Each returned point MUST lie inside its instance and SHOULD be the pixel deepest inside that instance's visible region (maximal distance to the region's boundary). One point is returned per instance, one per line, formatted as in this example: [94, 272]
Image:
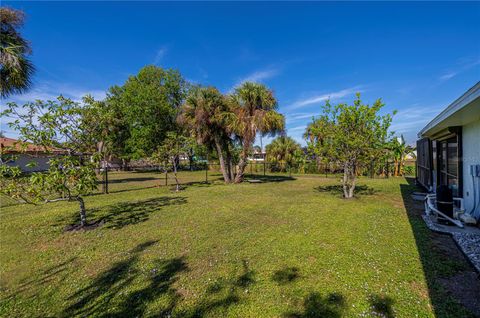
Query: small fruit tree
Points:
[56, 128]
[349, 135]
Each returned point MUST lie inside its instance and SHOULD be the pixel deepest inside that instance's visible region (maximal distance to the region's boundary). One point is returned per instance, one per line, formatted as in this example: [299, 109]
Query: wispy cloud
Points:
[324, 97]
[292, 117]
[463, 66]
[51, 90]
[161, 52]
[258, 76]
[297, 128]
[409, 121]
[448, 76]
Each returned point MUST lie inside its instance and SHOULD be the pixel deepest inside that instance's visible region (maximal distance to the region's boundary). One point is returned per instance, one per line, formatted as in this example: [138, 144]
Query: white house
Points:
[449, 150]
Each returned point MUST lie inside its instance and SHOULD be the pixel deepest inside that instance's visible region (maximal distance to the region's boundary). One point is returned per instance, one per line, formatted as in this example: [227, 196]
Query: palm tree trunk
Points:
[229, 163]
[242, 164]
[241, 170]
[226, 176]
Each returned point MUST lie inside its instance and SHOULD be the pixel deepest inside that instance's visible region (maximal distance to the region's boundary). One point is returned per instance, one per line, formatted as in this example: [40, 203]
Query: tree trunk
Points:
[401, 164]
[241, 167]
[348, 181]
[397, 168]
[229, 163]
[105, 179]
[177, 186]
[352, 187]
[345, 181]
[226, 177]
[83, 214]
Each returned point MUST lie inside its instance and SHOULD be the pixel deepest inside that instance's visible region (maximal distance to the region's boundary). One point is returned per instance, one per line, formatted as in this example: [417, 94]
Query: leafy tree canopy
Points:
[149, 103]
[350, 135]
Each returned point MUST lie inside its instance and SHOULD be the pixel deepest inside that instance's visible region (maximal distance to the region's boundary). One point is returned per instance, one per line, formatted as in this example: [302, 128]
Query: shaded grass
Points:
[274, 249]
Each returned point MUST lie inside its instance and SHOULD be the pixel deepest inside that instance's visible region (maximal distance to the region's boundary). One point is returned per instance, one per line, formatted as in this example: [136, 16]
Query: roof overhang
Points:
[464, 110]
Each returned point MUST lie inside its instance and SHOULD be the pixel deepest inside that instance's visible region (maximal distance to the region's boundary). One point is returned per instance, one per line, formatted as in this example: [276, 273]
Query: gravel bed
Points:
[469, 243]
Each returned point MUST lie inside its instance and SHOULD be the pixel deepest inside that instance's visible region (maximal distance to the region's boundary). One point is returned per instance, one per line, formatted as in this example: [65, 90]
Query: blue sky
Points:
[418, 57]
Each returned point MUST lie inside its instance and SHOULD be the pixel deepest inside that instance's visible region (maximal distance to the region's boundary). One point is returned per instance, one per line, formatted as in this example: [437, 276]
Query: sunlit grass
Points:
[288, 248]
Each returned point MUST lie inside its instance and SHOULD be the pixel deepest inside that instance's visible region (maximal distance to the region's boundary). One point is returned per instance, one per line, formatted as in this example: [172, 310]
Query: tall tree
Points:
[350, 135]
[204, 114]
[16, 68]
[150, 102]
[254, 111]
[283, 150]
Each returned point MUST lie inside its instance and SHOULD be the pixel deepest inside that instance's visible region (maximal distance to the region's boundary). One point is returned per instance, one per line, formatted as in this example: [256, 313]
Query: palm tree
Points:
[16, 69]
[282, 150]
[254, 110]
[203, 114]
[400, 150]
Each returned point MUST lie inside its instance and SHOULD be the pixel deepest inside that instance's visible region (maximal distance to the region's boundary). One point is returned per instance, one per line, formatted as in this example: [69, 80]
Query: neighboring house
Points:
[16, 153]
[449, 150]
[257, 156]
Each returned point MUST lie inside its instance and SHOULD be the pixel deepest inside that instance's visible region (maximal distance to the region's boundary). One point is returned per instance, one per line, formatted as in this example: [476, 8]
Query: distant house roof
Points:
[10, 145]
[462, 111]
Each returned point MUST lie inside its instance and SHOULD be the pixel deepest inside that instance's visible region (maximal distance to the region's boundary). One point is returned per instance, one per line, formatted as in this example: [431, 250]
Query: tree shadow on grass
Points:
[109, 294]
[317, 306]
[382, 306]
[222, 294]
[268, 178]
[286, 275]
[122, 214]
[55, 274]
[338, 190]
[247, 277]
[127, 213]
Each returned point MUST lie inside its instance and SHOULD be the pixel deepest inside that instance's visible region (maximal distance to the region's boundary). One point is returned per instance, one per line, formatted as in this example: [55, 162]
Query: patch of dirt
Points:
[89, 226]
[465, 288]
[445, 246]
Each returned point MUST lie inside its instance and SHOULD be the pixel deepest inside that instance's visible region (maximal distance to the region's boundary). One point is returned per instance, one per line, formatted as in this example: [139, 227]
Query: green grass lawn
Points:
[289, 248]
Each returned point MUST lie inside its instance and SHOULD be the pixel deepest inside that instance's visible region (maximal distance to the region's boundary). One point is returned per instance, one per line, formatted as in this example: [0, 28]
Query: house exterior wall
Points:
[471, 156]
[22, 160]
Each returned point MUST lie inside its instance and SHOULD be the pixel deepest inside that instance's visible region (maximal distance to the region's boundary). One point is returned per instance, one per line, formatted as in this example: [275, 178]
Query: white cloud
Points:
[161, 52]
[411, 120]
[51, 90]
[298, 116]
[257, 76]
[298, 128]
[324, 97]
[448, 76]
[464, 66]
